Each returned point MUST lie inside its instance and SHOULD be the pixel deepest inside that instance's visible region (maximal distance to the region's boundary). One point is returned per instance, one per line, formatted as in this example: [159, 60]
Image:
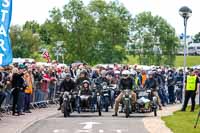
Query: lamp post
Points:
[59, 50]
[185, 12]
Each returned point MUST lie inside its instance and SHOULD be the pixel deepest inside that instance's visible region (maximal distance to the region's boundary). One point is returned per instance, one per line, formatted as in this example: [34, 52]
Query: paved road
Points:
[90, 123]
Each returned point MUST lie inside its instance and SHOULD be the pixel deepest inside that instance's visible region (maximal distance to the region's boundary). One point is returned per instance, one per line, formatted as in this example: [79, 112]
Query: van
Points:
[198, 50]
[191, 50]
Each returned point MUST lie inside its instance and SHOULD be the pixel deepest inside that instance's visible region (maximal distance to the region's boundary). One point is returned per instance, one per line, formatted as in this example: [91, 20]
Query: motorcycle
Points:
[73, 101]
[66, 107]
[106, 96]
[126, 101]
[146, 102]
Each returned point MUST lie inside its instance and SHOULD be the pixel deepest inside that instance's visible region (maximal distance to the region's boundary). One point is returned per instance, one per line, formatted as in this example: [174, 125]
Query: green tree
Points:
[155, 39]
[25, 44]
[113, 23]
[197, 38]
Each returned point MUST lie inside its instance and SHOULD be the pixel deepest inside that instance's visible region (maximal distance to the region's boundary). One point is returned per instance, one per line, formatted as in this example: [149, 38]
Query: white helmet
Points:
[116, 72]
[150, 73]
[125, 72]
[133, 72]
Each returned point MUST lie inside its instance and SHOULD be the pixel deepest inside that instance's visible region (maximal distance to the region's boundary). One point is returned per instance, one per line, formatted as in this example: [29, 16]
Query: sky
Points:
[24, 10]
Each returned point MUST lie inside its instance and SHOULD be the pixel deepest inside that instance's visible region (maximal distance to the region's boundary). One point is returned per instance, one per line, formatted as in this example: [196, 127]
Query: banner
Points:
[5, 43]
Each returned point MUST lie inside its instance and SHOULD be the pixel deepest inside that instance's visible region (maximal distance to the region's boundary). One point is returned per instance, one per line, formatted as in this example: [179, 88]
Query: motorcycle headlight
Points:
[104, 87]
[154, 99]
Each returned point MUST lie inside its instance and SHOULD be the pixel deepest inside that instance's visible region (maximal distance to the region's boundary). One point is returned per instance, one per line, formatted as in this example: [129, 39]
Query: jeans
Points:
[27, 102]
[2, 97]
[171, 94]
[8, 97]
[51, 93]
[38, 95]
[163, 96]
[21, 101]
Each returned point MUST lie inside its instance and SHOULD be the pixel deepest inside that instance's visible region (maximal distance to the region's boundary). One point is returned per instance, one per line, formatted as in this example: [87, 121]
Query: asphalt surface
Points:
[90, 123]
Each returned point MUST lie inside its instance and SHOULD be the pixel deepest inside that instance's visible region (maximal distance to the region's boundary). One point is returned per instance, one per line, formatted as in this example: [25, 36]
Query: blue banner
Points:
[5, 43]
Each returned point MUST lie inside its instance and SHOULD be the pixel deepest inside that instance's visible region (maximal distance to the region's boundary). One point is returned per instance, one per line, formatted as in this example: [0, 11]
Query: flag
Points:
[46, 56]
[6, 56]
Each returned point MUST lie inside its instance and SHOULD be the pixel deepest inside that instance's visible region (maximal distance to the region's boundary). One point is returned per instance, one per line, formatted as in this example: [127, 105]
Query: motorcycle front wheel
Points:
[66, 109]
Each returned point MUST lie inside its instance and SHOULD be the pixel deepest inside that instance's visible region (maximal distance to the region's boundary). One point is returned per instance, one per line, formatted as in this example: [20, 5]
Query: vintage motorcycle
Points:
[146, 101]
[73, 101]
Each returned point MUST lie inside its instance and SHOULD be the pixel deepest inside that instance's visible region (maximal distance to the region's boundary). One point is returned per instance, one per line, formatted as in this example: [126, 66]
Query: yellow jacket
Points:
[28, 79]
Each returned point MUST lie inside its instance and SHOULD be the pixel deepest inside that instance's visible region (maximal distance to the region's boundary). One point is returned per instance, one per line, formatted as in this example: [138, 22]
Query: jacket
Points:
[67, 85]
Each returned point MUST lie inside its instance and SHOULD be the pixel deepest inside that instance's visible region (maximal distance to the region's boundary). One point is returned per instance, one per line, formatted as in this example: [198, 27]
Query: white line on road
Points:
[89, 125]
[101, 131]
[59, 131]
[82, 131]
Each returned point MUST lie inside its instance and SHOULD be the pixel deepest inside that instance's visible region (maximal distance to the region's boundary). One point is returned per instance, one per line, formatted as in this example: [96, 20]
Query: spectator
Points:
[28, 91]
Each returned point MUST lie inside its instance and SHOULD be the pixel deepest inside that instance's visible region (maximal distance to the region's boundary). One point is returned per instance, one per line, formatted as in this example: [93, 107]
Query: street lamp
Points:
[185, 12]
[59, 50]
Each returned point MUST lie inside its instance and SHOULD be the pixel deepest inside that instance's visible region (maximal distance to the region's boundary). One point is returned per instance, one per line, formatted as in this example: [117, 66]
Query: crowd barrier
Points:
[39, 99]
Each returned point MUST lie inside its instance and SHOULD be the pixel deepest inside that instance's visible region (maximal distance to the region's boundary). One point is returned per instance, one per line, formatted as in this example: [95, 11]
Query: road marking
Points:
[101, 131]
[120, 130]
[82, 131]
[59, 131]
[89, 125]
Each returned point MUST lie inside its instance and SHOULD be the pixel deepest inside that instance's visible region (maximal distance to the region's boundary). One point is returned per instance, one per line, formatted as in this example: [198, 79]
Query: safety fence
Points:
[40, 98]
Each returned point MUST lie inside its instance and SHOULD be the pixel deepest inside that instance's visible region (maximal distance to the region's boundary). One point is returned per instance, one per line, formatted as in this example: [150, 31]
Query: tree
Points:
[25, 44]
[113, 23]
[197, 38]
[89, 32]
[155, 39]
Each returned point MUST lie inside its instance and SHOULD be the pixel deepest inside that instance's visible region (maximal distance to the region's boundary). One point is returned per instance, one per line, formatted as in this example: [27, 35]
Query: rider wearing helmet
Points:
[103, 77]
[151, 83]
[85, 90]
[66, 85]
[125, 83]
[82, 76]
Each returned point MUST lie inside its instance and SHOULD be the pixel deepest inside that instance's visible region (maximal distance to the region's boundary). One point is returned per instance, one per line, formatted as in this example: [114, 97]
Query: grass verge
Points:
[191, 60]
[183, 122]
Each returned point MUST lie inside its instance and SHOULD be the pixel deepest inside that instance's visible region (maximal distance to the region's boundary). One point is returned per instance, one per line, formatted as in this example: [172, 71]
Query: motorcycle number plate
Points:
[126, 98]
[105, 94]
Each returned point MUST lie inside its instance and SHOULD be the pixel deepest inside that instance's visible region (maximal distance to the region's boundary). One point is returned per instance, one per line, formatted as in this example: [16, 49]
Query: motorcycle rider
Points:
[66, 85]
[125, 83]
[152, 84]
[85, 91]
[103, 77]
[82, 76]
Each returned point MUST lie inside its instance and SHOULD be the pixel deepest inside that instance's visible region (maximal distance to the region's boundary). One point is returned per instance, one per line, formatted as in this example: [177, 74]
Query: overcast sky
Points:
[38, 10]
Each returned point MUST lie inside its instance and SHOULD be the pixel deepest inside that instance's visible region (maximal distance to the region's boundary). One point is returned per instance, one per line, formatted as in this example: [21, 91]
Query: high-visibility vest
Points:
[191, 83]
[136, 81]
